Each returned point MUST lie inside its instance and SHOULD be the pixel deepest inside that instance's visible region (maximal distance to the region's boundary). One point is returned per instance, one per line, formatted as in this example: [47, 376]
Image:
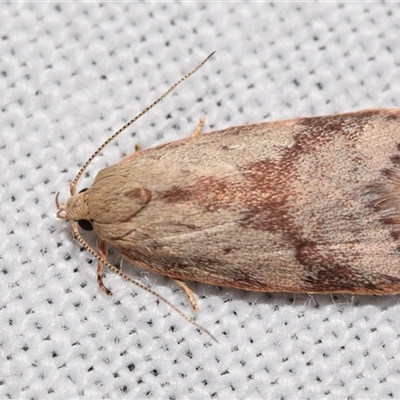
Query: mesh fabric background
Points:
[73, 73]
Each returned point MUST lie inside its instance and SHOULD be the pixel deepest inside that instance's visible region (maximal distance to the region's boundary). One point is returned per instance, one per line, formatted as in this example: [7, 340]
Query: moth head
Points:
[76, 209]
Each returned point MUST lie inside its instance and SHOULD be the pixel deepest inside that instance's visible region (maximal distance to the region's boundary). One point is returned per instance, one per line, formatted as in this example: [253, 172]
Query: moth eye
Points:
[83, 190]
[85, 224]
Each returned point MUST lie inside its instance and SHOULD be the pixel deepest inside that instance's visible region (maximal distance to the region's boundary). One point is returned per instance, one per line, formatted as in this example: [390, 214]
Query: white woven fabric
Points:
[70, 75]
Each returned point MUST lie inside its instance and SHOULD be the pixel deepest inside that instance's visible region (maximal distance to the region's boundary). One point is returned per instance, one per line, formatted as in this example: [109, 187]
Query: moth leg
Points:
[188, 293]
[102, 250]
[199, 127]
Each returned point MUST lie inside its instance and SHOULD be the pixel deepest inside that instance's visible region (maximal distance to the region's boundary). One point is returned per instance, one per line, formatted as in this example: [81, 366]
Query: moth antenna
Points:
[128, 278]
[111, 138]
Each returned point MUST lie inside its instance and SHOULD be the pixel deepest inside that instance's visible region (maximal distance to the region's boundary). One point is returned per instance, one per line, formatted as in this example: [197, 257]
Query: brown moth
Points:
[303, 205]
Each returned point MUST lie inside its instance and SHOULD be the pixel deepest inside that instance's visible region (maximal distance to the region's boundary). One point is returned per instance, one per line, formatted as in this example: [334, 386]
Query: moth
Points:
[307, 205]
